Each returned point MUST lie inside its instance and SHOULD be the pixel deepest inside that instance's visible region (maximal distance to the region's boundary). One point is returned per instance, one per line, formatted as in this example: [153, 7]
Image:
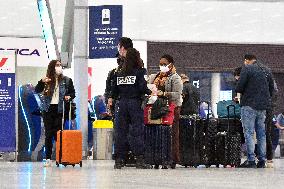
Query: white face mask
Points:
[58, 70]
[164, 69]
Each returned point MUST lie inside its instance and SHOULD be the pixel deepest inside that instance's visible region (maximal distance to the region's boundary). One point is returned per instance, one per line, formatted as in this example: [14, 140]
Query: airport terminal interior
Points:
[57, 57]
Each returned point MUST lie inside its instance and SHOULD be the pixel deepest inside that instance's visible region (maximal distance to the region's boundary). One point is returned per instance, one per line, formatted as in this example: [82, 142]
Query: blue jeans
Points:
[254, 120]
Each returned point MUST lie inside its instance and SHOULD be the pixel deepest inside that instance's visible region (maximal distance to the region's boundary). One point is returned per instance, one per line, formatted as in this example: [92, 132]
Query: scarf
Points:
[161, 78]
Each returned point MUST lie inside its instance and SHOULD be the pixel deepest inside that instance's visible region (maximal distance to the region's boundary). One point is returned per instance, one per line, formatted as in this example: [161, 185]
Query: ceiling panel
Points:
[167, 20]
[19, 18]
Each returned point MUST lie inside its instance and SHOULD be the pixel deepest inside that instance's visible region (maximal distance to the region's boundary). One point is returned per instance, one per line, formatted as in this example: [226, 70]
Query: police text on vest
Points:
[128, 80]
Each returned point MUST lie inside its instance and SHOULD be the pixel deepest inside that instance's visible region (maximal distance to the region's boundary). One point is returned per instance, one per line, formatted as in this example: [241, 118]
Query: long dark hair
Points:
[50, 73]
[132, 61]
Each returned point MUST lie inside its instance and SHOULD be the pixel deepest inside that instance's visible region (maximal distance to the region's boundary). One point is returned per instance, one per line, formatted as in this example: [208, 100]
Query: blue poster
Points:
[105, 29]
[7, 112]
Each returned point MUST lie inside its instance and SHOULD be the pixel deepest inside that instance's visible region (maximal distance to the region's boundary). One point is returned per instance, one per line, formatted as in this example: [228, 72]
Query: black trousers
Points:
[129, 128]
[114, 111]
[52, 123]
[269, 134]
[175, 136]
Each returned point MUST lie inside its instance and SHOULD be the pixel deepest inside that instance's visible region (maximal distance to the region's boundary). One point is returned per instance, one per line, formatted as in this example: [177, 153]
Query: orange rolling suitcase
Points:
[68, 146]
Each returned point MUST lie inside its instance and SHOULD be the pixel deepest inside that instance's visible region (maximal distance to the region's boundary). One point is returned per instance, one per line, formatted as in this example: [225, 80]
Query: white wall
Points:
[201, 21]
[28, 74]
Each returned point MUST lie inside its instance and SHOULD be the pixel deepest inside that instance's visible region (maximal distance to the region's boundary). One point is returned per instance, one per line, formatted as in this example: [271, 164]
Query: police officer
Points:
[124, 44]
[129, 86]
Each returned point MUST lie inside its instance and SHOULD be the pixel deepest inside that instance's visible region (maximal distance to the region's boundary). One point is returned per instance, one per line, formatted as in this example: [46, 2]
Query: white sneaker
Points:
[47, 163]
[269, 164]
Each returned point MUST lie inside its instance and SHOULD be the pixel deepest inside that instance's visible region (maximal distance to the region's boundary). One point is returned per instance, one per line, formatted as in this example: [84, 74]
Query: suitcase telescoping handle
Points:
[63, 114]
[208, 109]
[228, 109]
[69, 115]
[62, 128]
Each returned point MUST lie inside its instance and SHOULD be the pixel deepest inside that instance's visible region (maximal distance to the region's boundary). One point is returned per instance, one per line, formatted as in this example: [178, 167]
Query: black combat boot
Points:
[118, 164]
[130, 160]
[140, 163]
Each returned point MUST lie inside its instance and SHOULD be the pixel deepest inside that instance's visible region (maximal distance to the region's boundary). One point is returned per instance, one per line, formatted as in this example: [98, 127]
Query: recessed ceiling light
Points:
[168, 10]
[210, 21]
[255, 9]
[190, 2]
[160, 26]
[24, 7]
[236, 15]
[195, 25]
[207, 9]
[276, 15]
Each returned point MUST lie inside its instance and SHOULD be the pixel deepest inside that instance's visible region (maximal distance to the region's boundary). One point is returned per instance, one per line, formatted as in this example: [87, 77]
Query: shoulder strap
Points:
[156, 76]
[67, 82]
[263, 70]
[67, 79]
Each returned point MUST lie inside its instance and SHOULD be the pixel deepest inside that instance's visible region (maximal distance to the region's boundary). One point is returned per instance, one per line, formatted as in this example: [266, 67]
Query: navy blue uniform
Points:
[130, 116]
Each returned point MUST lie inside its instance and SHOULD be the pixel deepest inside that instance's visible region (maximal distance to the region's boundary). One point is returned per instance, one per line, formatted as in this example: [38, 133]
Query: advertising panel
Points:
[7, 101]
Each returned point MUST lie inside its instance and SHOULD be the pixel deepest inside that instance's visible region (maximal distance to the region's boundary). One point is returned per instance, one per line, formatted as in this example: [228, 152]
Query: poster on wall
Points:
[105, 29]
[30, 51]
[7, 101]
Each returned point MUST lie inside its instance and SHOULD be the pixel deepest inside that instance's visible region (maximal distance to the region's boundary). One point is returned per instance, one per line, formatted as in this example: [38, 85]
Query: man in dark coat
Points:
[190, 96]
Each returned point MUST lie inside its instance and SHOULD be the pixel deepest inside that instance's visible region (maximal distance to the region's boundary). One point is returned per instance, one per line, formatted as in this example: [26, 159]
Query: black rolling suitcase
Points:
[158, 139]
[209, 134]
[189, 148]
[192, 141]
[235, 125]
[228, 145]
[211, 130]
[197, 140]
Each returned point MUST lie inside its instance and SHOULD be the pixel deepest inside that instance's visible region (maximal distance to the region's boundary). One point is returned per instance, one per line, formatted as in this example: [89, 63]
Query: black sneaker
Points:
[156, 166]
[248, 164]
[140, 163]
[260, 164]
[173, 165]
[118, 164]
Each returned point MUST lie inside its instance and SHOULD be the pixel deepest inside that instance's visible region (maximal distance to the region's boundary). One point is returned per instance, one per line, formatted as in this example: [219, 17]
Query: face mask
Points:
[58, 70]
[164, 69]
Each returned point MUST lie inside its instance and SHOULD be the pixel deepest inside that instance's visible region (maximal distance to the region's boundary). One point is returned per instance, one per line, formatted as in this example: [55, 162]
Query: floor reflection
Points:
[100, 174]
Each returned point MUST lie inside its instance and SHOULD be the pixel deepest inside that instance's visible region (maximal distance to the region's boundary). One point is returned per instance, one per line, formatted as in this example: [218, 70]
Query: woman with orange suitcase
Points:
[55, 87]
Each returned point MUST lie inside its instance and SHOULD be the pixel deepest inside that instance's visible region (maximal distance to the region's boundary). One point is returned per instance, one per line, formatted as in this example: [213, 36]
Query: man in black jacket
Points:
[190, 97]
[256, 87]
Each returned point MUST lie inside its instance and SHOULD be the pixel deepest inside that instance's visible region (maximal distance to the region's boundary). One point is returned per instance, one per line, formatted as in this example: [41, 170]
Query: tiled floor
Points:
[100, 174]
